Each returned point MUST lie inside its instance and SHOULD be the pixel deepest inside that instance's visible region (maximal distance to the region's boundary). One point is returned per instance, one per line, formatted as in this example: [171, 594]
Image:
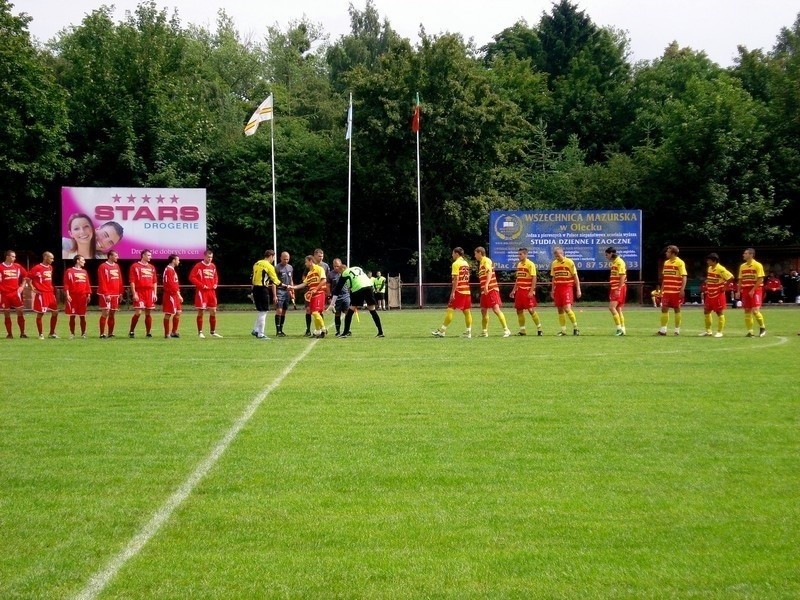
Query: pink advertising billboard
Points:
[164, 220]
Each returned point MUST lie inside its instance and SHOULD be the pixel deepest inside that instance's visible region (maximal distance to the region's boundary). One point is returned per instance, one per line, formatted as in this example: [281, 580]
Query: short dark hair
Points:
[269, 253]
[172, 257]
[611, 250]
[525, 250]
[143, 252]
[713, 256]
[459, 250]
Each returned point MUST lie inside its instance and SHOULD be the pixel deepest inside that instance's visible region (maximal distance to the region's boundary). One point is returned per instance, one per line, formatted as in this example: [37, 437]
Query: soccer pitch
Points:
[404, 467]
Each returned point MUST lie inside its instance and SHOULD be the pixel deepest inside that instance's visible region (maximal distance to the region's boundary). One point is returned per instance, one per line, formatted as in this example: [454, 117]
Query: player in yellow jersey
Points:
[460, 298]
[618, 289]
[317, 285]
[714, 300]
[565, 278]
[524, 292]
[490, 292]
[673, 289]
[751, 289]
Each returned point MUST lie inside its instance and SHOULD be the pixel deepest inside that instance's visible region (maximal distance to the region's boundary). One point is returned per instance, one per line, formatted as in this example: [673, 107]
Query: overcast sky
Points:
[715, 26]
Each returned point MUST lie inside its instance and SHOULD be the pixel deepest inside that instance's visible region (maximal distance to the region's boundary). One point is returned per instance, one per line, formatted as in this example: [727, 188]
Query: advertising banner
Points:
[163, 220]
[584, 235]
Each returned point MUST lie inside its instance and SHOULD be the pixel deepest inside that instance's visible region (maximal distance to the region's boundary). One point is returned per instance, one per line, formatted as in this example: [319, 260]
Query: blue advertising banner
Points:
[584, 234]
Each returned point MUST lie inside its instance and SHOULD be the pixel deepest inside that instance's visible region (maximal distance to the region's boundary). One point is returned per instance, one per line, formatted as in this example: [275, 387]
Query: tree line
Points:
[547, 116]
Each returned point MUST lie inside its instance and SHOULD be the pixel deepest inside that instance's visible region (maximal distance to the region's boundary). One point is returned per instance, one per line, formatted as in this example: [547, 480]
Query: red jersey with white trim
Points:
[204, 276]
[170, 279]
[143, 276]
[76, 281]
[41, 277]
[109, 280]
[486, 271]
[716, 278]
[11, 277]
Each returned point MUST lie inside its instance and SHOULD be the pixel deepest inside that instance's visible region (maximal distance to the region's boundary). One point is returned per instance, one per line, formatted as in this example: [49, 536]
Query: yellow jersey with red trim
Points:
[461, 271]
[315, 281]
[526, 271]
[716, 278]
[486, 271]
[618, 269]
[672, 274]
[749, 272]
[563, 271]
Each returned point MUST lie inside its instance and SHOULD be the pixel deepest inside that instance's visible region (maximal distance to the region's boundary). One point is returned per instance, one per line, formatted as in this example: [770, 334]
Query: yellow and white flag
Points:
[263, 113]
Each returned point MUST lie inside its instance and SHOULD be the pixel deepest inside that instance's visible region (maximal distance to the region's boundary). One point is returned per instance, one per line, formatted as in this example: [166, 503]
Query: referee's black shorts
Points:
[261, 297]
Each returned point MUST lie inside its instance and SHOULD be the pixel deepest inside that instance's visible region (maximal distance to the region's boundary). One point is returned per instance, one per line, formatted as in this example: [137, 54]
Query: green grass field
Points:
[405, 467]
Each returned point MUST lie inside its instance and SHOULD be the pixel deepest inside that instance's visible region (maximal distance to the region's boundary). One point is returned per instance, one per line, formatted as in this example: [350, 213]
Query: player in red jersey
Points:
[12, 281]
[143, 279]
[460, 297]
[44, 294]
[109, 289]
[618, 288]
[673, 289]
[172, 301]
[78, 288]
[205, 279]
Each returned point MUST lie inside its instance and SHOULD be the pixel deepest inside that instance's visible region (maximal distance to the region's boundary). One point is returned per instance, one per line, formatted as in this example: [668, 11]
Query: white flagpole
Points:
[349, 169]
[419, 216]
[272, 146]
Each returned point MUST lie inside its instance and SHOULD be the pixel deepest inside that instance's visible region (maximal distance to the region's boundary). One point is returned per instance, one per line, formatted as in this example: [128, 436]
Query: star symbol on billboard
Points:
[174, 199]
[145, 199]
[160, 199]
[116, 198]
[131, 199]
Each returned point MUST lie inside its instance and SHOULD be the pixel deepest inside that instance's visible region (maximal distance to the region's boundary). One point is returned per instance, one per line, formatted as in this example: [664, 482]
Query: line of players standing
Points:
[567, 288]
[143, 282]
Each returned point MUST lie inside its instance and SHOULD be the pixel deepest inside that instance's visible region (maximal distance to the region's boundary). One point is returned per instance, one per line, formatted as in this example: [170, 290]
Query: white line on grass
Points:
[101, 579]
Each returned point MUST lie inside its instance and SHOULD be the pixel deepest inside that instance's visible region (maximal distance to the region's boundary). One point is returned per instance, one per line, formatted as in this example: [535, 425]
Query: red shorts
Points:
[753, 301]
[44, 301]
[172, 304]
[522, 301]
[108, 302]
[619, 296]
[316, 303]
[714, 303]
[460, 302]
[673, 300]
[563, 295]
[146, 299]
[490, 299]
[12, 300]
[205, 299]
[77, 305]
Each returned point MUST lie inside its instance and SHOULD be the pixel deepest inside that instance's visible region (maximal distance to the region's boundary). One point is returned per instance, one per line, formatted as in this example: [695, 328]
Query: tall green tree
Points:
[33, 126]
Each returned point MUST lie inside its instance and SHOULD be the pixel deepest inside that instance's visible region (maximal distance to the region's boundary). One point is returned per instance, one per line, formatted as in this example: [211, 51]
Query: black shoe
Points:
[102, 336]
[148, 335]
[280, 334]
[380, 335]
[23, 336]
[110, 335]
[130, 334]
[562, 333]
[254, 333]
[346, 334]
[522, 333]
[576, 331]
[539, 332]
[174, 335]
[307, 334]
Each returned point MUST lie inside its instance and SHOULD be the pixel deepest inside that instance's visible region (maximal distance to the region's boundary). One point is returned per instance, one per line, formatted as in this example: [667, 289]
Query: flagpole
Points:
[419, 215]
[349, 169]
[274, 215]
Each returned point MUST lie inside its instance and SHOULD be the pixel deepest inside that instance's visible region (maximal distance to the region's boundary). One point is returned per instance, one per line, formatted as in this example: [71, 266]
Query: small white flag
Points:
[349, 133]
[263, 113]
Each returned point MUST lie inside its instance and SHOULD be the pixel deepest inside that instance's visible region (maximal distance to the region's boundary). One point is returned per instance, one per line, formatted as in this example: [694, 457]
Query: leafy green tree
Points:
[33, 125]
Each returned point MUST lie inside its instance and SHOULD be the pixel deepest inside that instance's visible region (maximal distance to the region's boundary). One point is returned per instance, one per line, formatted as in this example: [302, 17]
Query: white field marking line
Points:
[101, 579]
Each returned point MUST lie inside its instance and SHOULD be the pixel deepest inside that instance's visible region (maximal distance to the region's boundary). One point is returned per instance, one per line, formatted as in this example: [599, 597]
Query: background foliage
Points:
[549, 115]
